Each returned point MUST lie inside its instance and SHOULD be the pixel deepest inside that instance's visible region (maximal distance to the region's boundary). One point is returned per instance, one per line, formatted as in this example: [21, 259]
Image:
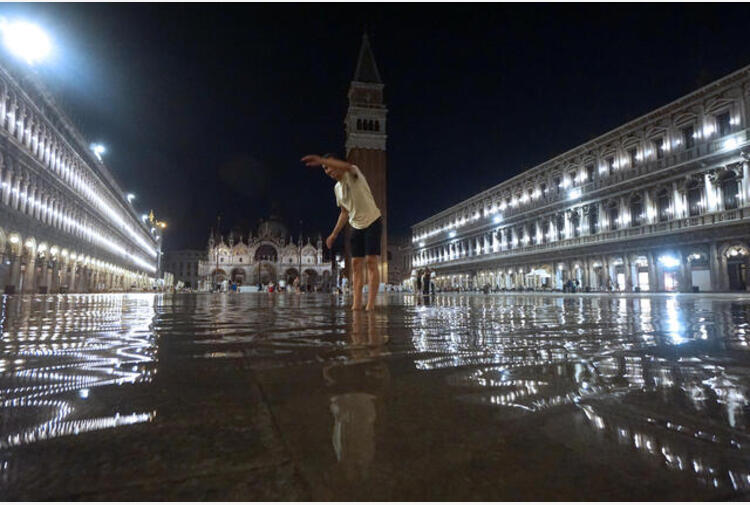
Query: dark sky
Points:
[206, 109]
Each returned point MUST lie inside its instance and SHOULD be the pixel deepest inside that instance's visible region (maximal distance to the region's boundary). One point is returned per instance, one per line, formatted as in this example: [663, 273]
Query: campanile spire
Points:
[365, 125]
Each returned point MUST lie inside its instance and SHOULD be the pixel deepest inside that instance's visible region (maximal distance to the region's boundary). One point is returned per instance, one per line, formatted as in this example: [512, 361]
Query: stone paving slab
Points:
[285, 397]
[211, 426]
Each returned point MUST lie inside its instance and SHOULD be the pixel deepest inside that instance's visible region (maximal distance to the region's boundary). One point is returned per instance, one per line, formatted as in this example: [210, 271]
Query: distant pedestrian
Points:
[426, 282]
[358, 207]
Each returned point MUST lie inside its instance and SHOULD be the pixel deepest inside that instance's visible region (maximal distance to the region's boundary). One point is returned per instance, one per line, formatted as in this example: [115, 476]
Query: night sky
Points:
[206, 109]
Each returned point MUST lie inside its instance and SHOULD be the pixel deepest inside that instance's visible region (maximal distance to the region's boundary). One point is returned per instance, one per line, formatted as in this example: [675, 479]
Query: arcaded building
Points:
[658, 204]
[66, 224]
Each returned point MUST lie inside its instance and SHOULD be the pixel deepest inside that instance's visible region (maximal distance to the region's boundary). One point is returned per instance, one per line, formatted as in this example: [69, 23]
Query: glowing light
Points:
[25, 40]
[98, 150]
[574, 193]
[14, 239]
[421, 244]
[131, 197]
[669, 261]
[497, 219]
[730, 143]
[452, 233]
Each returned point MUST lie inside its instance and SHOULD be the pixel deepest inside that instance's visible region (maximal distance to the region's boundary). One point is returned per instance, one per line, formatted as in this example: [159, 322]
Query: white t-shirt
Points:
[354, 195]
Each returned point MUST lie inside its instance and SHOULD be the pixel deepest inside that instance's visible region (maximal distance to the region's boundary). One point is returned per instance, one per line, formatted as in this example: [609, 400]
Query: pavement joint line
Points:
[279, 433]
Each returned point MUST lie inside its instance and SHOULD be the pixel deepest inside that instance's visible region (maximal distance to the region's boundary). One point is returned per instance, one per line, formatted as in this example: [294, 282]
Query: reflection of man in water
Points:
[359, 383]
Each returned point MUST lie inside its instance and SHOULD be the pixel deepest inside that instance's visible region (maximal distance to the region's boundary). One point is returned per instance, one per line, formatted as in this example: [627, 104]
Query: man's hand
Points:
[312, 160]
[330, 240]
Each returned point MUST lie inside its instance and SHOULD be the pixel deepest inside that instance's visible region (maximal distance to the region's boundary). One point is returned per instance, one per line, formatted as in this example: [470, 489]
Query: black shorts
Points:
[366, 242]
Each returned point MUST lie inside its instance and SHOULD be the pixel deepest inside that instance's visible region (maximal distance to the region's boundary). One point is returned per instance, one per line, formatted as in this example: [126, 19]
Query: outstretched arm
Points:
[313, 160]
[343, 217]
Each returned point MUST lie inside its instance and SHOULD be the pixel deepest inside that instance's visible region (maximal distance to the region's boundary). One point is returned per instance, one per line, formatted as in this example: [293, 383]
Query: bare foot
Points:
[369, 308]
[354, 307]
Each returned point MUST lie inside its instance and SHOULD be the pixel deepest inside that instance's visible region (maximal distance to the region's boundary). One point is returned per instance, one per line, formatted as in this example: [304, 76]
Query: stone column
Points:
[15, 196]
[15, 272]
[83, 280]
[711, 200]
[12, 118]
[54, 285]
[7, 183]
[723, 273]
[628, 272]
[47, 272]
[714, 266]
[43, 210]
[72, 278]
[20, 117]
[686, 274]
[31, 208]
[29, 275]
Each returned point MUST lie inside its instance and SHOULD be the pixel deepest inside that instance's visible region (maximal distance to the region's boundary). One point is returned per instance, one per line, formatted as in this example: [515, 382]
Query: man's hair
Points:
[333, 155]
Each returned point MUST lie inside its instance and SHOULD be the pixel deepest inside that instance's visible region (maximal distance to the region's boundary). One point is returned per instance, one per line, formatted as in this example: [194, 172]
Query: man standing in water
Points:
[357, 205]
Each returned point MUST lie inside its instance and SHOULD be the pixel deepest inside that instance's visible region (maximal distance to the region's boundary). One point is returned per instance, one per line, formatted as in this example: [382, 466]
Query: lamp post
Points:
[299, 250]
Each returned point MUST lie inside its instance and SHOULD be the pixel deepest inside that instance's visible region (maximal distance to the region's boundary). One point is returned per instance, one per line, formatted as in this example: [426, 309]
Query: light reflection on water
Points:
[55, 350]
[665, 377]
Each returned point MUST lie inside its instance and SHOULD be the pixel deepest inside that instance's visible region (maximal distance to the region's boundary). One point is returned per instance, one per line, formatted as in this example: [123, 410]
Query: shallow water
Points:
[275, 396]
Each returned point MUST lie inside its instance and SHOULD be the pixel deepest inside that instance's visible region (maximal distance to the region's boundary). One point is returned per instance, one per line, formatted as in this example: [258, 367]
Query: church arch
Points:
[239, 276]
[266, 252]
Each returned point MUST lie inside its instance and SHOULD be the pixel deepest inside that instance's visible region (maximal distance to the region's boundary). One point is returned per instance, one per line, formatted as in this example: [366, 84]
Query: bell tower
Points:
[365, 125]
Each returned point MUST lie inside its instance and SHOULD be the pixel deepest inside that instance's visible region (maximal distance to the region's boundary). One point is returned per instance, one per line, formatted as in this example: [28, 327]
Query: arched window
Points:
[593, 218]
[377, 126]
[370, 125]
[729, 190]
[613, 215]
[359, 124]
[662, 204]
[575, 223]
[560, 226]
[694, 196]
[266, 252]
[636, 211]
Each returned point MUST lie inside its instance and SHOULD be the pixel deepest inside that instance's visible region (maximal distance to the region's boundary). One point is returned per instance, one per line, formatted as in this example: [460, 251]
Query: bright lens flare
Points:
[25, 40]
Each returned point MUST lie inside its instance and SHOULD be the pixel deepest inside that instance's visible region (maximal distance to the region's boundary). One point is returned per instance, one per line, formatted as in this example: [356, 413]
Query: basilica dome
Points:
[272, 227]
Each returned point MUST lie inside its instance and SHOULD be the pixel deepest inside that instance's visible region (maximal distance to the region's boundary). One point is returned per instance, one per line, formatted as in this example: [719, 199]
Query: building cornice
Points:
[599, 141]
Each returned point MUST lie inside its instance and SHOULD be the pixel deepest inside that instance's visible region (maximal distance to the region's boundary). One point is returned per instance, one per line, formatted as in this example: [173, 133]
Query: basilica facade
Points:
[269, 255]
[661, 203]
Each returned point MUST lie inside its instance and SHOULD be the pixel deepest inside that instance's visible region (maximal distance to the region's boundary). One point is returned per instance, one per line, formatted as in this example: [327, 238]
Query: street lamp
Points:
[131, 197]
[25, 40]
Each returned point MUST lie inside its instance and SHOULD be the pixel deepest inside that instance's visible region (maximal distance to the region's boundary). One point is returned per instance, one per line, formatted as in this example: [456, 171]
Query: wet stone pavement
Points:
[294, 397]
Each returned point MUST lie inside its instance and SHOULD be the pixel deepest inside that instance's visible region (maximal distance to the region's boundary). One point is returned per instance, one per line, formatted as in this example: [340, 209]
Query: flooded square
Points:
[264, 396]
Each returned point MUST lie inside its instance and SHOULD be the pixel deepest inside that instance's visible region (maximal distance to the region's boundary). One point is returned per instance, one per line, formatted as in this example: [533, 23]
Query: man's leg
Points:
[373, 280]
[357, 281]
